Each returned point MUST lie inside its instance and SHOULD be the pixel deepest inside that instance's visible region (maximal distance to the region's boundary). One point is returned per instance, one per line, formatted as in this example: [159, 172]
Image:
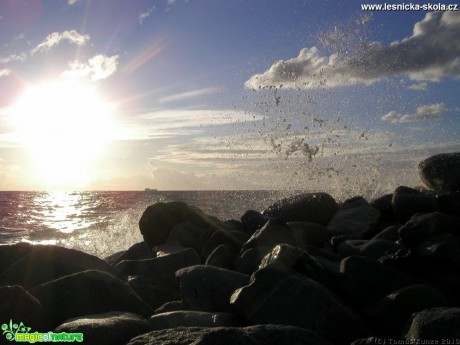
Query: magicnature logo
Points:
[20, 333]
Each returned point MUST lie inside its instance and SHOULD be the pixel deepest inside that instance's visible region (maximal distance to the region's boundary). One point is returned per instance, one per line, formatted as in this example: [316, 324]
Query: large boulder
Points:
[439, 324]
[113, 328]
[278, 296]
[407, 201]
[259, 334]
[184, 318]
[253, 220]
[46, 263]
[441, 171]
[309, 207]
[85, 293]
[374, 249]
[18, 304]
[159, 219]
[138, 251]
[309, 234]
[190, 235]
[208, 288]
[9, 254]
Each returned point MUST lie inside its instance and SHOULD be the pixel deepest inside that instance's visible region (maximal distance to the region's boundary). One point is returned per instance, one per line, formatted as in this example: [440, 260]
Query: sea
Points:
[103, 223]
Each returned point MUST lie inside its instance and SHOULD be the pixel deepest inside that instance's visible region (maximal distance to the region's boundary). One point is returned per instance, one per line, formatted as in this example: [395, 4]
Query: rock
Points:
[159, 219]
[154, 291]
[46, 263]
[271, 234]
[444, 248]
[9, 254]
[366, 280]
[185, 318]
[113, 328]
[390, 233]
[389, 315]
[434, 324]
[449, 203]
[85, 293]
[309, 234]
[189, 235]
[253, 221]
[172, 306]
[234, 225]
[441, 171]
[309, 207]
[422, 226]
[408, 201]
[259, 334]
[18, 305]
[277, 296]
[373, 249]
[221, 257]
[384, 206]
[218, 238]
[294, 258]
[208, 288]
[248, 262]
[138, 251]
[355, 217]
[449, 284]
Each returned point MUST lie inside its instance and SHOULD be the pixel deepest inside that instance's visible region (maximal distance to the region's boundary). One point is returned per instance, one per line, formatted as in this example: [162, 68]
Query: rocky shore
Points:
[306, 270]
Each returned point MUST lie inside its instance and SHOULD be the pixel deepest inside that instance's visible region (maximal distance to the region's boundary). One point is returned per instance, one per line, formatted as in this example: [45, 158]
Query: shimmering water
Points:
[102, 223]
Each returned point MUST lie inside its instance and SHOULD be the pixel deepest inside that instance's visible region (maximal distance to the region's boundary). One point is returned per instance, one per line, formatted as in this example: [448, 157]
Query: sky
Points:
[208, 94]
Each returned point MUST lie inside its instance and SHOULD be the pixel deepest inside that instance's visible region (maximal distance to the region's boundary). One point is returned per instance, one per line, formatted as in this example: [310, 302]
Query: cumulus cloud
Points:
[55, 38]
[144, 15]
[12, 58]
[97, 68]
[418, 87]
[5, 72]
[430, 54]
[424, 112]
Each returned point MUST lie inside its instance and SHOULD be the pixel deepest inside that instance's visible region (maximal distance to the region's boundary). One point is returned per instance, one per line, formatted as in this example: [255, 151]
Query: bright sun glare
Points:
[65, 126]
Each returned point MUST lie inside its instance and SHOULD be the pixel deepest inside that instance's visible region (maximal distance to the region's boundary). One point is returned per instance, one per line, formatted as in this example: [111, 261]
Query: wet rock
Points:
[46, 263]
[248, 262]
[390, 233]
[85, 293]
[444, 248]
[366, 280]
[113, 328]
[259, 334]
[138, 251]
[449, 203]
[384, 206]
[18, 304]
[253, 221]
[298, 260]
[234, 225]
[9, 254]
[189, 235]
[184, 318]
[271, 234]
[309, 207]
[422, 226]
[277, 296]
[389, 315]
[159, 219]
[221, 257]
[208, 288]
[441, 171]
[154, 291]
[309, 234]
[408, 201]
[434, 324]
[355, 217]
[449, 284]
[232, 241]
[373, 249]
[172, 306]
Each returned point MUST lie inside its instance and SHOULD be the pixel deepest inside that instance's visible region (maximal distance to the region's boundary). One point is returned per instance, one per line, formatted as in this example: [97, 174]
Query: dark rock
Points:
[113, 328]
[441, 171]
[85, 293]
[138, 251]
[355, 217]
[390, 233]
[172, 306]
[185, 318]
[154, 291]
[248, 262]
[449, 203]
[277, 296]
[189, 235]
[253, 335]
[221, 257]
[294, 258]
[309, 234]
[18, 304]
[232, 241]
[253, 221]
[336, 241]
[271, 234]
[408, 201]
[434, 324]
[422, 226]
[389, 315]
[9, 254]
[234, 225]
[159, 219]
[208, 288]
[46, 263]
[444, 248]
[309, 207]
[374, 249]
[366, 280]
[449, 284]
[384, 206]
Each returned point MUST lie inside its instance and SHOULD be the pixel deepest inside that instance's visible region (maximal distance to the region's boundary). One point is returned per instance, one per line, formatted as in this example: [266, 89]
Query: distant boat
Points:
[151, 190]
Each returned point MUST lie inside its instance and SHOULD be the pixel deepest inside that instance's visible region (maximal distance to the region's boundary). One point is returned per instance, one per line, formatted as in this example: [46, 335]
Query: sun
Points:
[65, 126]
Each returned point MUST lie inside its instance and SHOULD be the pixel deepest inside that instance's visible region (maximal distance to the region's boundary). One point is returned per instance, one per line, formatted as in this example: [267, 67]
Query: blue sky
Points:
[209, 94]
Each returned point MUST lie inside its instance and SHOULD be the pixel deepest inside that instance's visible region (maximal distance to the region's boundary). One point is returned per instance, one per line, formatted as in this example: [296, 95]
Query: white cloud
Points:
[430, 54]
[144, 15]
[424, 112]
[97, 68]
[13, 57]
[5, 72]
[418, 87]
[72, 2]
[189, 94]
[55, 38]
[170, 2]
